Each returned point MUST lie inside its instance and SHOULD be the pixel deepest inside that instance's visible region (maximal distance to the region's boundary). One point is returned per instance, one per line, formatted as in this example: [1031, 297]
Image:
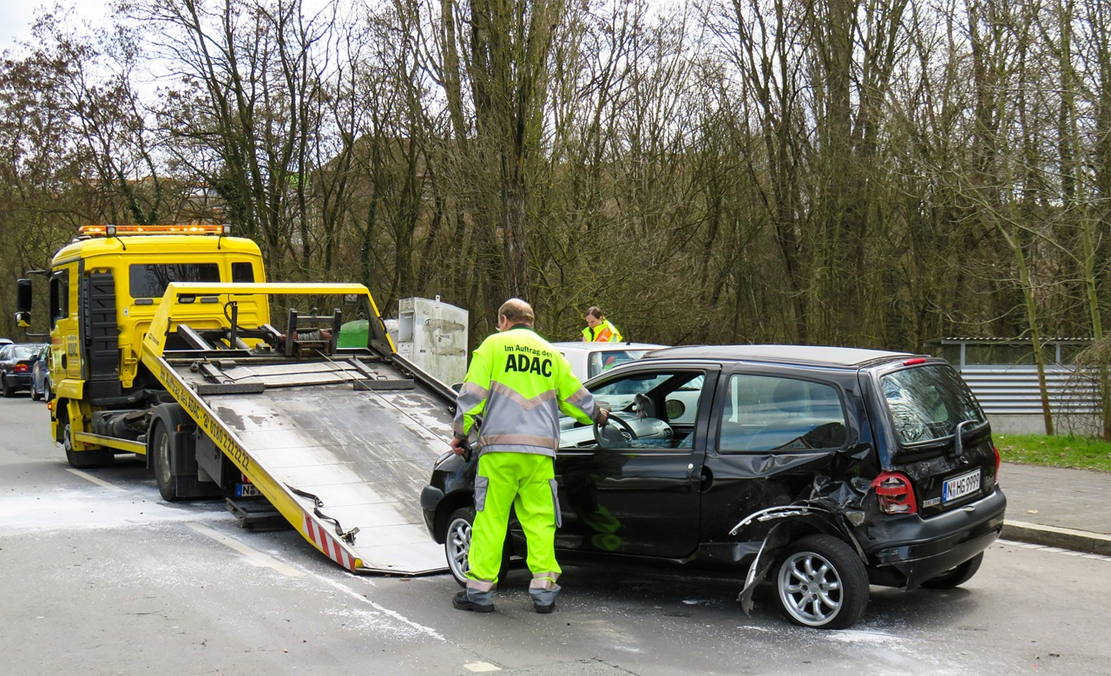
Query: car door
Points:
[772, 435]
[639, 493]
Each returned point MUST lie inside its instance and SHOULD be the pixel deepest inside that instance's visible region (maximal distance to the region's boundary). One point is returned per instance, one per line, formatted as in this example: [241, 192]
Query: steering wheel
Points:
[604, 434]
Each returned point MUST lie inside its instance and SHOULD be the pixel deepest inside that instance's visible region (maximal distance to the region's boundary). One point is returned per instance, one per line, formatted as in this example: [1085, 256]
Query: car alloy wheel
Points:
[457, 544]
[822, 583]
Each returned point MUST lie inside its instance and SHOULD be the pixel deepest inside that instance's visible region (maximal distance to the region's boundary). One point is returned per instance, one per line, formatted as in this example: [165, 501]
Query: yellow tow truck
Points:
[168, 343]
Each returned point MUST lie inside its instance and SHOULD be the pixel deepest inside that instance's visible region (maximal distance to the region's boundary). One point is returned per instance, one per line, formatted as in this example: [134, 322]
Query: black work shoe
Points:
[544, 610]
[461, 602]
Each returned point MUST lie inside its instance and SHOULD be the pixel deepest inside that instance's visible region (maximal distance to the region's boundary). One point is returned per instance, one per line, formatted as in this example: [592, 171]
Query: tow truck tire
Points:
[457, 546]
[161, 450]
[821, 583]
[81, 459]
[957, 575]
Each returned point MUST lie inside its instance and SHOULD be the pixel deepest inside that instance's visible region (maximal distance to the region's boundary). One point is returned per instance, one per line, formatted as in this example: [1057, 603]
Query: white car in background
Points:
[590, 359]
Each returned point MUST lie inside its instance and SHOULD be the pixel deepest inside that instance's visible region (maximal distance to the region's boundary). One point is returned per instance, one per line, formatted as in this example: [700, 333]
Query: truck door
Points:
[640, 496]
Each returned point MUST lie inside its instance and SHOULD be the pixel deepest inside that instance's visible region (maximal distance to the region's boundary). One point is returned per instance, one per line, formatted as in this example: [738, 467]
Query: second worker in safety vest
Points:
[519, 384]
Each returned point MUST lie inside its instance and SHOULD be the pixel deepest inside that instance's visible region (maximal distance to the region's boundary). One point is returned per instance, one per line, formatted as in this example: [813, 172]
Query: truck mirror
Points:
[23, 295]
[23, 303]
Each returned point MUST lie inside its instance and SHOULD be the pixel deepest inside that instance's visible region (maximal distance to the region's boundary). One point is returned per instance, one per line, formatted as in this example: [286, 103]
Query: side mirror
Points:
[23, 303]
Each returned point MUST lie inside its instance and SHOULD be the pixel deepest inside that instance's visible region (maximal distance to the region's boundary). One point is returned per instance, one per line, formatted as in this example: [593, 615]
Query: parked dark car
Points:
[16, 362]
[821, 469]
[40, 376]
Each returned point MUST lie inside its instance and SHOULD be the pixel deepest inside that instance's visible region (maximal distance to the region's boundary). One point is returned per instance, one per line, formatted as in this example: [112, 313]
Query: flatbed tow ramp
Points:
[339, 440]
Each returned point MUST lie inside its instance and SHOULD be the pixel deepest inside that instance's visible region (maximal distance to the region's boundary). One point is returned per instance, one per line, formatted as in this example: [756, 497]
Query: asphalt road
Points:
[99, 576]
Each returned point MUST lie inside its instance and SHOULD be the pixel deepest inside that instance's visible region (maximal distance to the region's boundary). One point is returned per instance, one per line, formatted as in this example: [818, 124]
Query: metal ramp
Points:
[342, 448]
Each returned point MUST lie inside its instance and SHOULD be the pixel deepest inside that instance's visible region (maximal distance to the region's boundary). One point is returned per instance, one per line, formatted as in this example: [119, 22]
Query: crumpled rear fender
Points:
[792, 522]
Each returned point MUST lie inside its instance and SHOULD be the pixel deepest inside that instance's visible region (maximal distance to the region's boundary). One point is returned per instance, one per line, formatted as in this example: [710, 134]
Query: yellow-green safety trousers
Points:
[526, 483]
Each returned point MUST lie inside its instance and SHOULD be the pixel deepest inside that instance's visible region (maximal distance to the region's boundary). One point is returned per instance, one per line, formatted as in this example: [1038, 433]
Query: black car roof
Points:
[782, 354]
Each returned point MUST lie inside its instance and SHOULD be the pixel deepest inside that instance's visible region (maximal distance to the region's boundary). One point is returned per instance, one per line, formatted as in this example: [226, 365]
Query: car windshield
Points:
[928, 402]
[605, 360]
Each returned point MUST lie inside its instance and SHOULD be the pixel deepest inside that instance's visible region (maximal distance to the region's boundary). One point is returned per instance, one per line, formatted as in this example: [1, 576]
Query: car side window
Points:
[765, 413]
[653, 410]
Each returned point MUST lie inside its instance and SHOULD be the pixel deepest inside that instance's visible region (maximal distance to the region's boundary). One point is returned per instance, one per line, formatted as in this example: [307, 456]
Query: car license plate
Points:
[960, 486]
[246, 491]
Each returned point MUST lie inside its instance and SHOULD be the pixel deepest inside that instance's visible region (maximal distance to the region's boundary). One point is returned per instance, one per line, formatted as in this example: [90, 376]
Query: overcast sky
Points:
[16, 16]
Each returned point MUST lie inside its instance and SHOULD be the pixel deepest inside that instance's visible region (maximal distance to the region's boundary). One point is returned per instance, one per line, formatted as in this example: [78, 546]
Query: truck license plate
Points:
[246, 491]
[960, 486]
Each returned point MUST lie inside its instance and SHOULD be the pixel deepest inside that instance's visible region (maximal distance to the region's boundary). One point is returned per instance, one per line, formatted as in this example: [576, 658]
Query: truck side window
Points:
[242, 273]
[764, 413]
[59, 296]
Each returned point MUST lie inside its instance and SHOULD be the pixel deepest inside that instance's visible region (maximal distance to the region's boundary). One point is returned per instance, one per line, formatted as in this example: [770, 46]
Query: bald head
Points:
[516, 311]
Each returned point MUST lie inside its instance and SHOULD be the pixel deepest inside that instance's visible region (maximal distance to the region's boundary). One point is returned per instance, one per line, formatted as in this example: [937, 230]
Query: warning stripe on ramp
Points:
[328, 544]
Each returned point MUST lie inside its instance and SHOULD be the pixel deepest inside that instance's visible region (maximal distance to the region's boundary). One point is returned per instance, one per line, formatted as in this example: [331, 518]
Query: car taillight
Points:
[894, 493]
[998, 461]
[20, 368]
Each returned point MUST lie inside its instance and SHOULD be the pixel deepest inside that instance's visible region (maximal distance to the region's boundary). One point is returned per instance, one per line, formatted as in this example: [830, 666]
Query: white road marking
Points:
[480, 667]
[253, 556]
[427, 631]
[96, 480]
[1054, 550]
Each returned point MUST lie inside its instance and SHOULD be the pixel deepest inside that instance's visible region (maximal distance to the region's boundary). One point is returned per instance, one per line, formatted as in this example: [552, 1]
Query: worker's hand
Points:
[457, 446]
[604, 416]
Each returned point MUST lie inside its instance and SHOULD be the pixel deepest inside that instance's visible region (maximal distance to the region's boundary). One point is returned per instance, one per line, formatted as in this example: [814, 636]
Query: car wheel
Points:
[47, 393]
[5, 389]
[956, 576]
[35, 394]
[457, 546]
[162, 448]
[822, 583]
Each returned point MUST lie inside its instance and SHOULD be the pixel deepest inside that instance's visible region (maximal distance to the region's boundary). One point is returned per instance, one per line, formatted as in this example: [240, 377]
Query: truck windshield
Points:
[927, 402]
[149, 280]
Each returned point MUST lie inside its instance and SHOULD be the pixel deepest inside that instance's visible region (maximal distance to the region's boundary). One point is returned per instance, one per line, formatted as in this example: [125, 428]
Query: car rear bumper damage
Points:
[914, 550]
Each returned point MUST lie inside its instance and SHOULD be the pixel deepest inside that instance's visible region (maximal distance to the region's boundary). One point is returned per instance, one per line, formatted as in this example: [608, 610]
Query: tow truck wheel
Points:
[822, 583]
[81, 459]
[161, 450]
[457, 546]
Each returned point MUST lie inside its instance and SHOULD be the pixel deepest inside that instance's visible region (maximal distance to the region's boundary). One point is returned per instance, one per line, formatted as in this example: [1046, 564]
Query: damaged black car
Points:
[820, 469]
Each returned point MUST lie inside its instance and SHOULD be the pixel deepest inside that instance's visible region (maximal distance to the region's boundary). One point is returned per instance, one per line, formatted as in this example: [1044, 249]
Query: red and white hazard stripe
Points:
[328, 544]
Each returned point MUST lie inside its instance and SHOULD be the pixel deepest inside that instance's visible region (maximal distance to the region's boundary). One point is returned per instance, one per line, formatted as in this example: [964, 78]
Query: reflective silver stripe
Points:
[516, 397]
[518, 439]
[470, 398]
[480, 585]
[576, 400]
[543, 580]
[474, 388]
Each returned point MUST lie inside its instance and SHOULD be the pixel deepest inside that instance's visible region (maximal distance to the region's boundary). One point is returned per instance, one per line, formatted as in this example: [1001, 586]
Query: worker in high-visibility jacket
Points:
[599, 329]
[519, 384]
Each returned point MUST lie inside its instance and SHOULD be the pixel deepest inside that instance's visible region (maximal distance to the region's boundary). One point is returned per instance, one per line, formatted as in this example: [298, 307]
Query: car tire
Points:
[457, 546]
[5, 389]
[162, 452]
[35, 394]
[821, 583]
[956, 576]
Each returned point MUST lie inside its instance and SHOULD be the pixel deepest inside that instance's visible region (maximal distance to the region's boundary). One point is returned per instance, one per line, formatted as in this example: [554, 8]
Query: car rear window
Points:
[24, 351]
[604, 361]
[928, 402]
